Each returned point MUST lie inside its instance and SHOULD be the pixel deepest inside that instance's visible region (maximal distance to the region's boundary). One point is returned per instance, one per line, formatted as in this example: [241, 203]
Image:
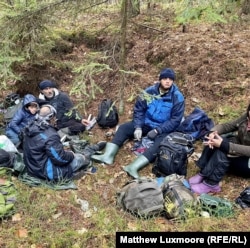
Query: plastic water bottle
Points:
[186, 183]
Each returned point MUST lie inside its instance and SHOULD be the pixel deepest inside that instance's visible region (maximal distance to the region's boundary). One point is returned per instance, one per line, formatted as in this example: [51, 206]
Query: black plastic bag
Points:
[244, 199]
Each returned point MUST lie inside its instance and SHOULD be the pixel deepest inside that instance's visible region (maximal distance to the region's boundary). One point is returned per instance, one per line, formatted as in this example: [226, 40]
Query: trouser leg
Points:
[151, 152]
[75, 127]
[206, 154]
[123, 133]
[13, 136]
[215, 168]
[240, 166]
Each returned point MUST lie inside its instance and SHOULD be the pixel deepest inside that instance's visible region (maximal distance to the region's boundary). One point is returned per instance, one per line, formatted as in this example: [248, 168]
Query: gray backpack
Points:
[141, 197]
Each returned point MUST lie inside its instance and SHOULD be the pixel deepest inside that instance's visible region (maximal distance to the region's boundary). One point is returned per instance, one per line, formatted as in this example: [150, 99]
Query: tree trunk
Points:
[124, 15]
[245, 9]
[133, 8]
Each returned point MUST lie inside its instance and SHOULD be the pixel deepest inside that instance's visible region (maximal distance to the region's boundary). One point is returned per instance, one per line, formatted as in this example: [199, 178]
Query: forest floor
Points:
[212, 64]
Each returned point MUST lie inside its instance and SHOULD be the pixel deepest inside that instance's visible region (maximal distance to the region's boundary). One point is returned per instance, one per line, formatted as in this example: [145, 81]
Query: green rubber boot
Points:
[108, 156]
[132, 169]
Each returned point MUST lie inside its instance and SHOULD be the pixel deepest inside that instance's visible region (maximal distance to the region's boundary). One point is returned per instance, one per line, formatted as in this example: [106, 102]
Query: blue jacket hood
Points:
[28, 99]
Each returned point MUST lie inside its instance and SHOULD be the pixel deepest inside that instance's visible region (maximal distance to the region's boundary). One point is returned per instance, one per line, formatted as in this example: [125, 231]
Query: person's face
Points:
[33, 108]
[53, 122]
[48, 92]
[166, 83]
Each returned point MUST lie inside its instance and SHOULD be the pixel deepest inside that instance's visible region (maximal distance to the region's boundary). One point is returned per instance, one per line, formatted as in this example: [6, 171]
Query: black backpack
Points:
[11, 100]
[107, 114]
[244, 199]
[173, 154]
[12, 103]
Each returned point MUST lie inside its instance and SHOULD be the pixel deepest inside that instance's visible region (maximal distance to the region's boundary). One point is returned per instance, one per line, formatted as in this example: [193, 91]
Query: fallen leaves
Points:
[16, 217]
[22, 233]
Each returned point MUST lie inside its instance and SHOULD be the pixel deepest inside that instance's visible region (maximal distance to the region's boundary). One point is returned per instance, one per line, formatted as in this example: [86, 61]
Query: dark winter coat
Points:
[44, 154]
[162, 112]
[240, 144]
[197, 124]
[23, 116]
[64, 107]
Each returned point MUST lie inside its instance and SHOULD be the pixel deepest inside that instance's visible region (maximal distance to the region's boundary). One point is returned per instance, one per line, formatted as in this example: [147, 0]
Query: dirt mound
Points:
[211, 63]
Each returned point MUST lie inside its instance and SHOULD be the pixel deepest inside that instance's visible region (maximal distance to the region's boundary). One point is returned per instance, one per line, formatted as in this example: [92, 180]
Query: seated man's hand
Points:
[213, 140]
[85, 122]
[152, 134]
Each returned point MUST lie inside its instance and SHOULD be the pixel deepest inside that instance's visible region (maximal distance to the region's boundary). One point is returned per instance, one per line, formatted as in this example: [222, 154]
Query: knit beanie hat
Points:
[45, 84]
[167, 73]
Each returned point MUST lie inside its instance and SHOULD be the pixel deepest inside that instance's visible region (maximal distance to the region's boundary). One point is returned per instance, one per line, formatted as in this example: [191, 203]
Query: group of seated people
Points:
[158, 111]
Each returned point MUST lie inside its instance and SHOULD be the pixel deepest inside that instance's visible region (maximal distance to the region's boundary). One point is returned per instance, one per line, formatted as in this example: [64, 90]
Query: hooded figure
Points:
[22, 118]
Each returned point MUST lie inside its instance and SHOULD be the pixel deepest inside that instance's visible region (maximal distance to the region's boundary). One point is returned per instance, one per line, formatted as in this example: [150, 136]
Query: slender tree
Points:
[133, 8]
[245, 9]
[124, 15]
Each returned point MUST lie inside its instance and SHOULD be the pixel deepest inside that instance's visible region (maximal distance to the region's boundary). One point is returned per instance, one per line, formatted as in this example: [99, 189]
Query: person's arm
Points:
[15, 122]
[230, 147]
[68, 105]
[215, 140]
[140, 109]
[239, 150]
[64, 107]
[66, 101]
[55, 151]
[230, 126]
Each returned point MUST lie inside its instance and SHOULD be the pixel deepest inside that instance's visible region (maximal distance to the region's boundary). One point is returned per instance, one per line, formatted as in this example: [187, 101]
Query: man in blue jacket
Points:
[44, 154]
[158, 111]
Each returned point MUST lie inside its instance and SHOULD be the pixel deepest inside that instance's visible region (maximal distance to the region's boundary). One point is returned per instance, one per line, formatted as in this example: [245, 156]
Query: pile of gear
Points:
[172, 198]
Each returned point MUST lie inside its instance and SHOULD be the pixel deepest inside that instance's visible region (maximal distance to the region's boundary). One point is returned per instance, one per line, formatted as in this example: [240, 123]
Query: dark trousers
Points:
[126, 132]
[240, 166]
[214, 164]
[75, 127]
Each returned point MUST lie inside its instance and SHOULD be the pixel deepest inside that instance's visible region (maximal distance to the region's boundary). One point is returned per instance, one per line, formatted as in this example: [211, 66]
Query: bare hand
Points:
[85, 122]
[213, 140]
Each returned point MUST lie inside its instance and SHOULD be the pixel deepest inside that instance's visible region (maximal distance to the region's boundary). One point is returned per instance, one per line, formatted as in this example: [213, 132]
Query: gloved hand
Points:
[138, 133]
[152, 134]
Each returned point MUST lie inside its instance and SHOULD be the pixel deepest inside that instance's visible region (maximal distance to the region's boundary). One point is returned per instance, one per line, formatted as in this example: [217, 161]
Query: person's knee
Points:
[124, 132]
